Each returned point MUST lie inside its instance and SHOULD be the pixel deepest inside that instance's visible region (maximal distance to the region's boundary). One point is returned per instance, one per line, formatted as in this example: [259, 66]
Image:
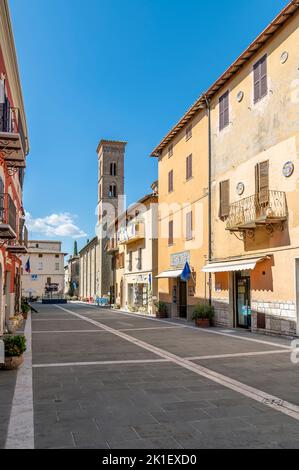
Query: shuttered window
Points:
[170, 181]
[262, 182]
[170, 232]
[260, 79]
[224, 199]
[189, 167]
[189, 132]
[170, 150]
[189, 227]
[224, 111]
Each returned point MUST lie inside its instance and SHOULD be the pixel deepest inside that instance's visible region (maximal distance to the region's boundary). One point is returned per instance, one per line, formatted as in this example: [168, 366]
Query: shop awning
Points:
[237, 265]
[170, 274]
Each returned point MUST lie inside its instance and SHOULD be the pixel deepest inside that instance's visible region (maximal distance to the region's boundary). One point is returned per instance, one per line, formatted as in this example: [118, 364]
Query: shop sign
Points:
[178, 260]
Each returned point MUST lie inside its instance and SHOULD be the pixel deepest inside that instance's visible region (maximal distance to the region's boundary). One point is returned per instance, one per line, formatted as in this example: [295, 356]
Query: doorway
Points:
[182, 304]
[297, 292]
[243, 300]
[7, 296]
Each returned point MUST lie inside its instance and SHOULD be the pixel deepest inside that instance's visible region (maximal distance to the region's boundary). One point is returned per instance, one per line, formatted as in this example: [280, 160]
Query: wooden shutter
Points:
[264, 81]
[224, 111]
[260, 79]
[189, 226]
[224, 199]
[262, 182]
[189, 167]
[257, 80]
[170, 232]
[170, 181]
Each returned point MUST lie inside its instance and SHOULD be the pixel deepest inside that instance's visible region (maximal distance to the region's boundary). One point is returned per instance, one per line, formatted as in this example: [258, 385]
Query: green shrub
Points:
[14, 346]
[203, 312]
[25, 306]
[161, 307]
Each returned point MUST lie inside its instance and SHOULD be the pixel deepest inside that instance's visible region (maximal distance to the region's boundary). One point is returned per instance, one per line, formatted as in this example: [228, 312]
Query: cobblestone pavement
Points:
[106, 379]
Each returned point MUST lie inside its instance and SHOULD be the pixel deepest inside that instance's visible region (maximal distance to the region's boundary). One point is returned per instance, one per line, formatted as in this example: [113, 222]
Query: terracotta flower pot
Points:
[161, 315]
[25, 315]
[203, 322]
[12, 363]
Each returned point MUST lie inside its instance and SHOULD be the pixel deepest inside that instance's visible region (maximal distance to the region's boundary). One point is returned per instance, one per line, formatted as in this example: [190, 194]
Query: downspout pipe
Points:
[208, 106]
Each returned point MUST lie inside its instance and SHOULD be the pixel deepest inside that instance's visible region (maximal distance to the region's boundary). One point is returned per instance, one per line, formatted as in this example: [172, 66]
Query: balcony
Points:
[8, 218]
[266, 209]
[111, 246]
[133, 232]
[19, 246]
[12, 138]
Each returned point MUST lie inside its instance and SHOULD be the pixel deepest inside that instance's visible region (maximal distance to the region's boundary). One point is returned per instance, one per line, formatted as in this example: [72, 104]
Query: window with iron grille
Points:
[224, 111]
[189, 228]
[189, 132]
[260, 79]
[189, 167]
[170, 181]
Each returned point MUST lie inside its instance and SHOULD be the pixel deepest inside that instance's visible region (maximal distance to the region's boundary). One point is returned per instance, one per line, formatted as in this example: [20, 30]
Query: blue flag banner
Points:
[27, 266]
[186, 274]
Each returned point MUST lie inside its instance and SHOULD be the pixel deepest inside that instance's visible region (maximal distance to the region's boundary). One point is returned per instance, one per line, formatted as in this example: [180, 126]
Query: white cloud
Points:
[61, 225]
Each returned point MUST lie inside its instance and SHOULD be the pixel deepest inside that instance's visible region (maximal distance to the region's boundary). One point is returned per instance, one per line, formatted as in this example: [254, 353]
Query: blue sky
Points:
[114, 69]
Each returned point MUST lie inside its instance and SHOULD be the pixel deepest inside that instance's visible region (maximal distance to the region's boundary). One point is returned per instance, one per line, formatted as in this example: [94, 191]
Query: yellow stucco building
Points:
[243, 135]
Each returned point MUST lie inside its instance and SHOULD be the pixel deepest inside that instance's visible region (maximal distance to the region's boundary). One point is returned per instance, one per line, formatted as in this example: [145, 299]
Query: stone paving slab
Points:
[273, 374]
[7, 387]
[94, 413]
[62, 325]
[192, 343]
[153, 405]
[84, 347]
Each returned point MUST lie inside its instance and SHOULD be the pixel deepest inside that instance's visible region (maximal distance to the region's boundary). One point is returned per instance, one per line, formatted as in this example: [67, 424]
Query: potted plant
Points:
[203, 315]
[25, 308]
[161, 309]
[14, 347]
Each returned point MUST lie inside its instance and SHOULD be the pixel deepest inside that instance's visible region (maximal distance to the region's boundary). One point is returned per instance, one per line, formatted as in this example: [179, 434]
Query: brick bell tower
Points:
[111, 155]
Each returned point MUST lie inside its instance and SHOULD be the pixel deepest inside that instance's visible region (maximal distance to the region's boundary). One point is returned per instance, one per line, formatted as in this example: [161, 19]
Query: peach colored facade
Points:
[262, 131]
[245, 173]
[189, 195]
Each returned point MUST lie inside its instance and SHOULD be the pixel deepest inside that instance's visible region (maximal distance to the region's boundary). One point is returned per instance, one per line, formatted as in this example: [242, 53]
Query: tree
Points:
[75, 248]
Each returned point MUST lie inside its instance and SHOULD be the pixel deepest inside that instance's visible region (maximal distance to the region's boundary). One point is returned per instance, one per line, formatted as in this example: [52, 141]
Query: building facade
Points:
[73, 275]
[110, 202]
[255, 184]
[246, 155]
[43, 269]
[183, 215]
[14, 147]
[89, 262]
[133, 248]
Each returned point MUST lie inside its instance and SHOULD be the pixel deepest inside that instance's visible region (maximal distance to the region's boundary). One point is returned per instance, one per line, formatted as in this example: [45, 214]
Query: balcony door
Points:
[243, 300]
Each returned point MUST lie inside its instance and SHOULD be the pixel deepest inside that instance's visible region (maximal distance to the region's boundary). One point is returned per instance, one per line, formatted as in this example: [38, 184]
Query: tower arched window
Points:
[113, 169]
[112, 191]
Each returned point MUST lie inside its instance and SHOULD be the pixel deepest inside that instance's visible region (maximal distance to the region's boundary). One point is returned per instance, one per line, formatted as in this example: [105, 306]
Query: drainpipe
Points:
[208, 105]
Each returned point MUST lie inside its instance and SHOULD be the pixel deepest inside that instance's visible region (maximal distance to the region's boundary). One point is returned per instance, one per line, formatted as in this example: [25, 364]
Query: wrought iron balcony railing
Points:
[267, 208]
[8, 217]
[19, 245]
[12, 136]
[111, 245]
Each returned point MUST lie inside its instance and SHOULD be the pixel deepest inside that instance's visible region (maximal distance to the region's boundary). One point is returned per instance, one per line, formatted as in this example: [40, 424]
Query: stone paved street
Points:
[105, 379]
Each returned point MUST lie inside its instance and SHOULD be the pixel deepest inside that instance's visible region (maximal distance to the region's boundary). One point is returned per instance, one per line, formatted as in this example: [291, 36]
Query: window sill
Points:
[189, 179]
[188, 138]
